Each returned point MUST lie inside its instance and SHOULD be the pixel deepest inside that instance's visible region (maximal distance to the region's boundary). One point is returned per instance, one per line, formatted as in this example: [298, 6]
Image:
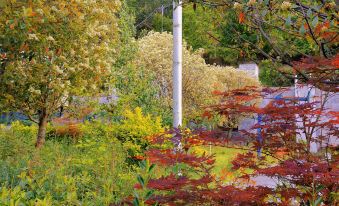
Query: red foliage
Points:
[247, 160]
[230, 195]
[304, 172]
[303, 176]
[168, 183]
[319, 71]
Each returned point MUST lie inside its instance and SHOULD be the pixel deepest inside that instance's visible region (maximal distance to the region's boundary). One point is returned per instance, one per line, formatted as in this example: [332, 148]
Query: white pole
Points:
[177, 63]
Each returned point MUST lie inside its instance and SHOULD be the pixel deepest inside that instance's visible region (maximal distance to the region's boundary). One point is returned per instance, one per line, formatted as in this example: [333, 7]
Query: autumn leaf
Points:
[241, 17]
[207, 114]
[217, 92]
[335, 61]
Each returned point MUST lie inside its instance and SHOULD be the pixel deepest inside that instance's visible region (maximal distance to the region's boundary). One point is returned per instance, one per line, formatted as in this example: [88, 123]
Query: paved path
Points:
[265, 181]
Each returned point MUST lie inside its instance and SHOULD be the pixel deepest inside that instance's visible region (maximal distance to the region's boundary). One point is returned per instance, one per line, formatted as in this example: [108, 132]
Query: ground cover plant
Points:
[93, 171]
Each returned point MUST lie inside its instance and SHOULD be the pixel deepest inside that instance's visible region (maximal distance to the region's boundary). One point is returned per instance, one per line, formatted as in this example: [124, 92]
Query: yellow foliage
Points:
[61, 48]
[199, 79]
[135, 128]
[138, 124]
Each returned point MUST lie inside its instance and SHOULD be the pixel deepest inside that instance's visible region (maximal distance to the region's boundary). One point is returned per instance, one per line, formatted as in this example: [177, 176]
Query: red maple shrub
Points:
[280, 150]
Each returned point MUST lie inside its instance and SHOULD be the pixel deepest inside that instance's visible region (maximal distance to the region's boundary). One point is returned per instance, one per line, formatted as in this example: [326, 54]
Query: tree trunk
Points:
[229, 133]
[42, 129]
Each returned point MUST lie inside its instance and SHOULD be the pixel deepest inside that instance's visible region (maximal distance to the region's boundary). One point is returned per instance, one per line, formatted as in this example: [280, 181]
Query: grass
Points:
[223, 160]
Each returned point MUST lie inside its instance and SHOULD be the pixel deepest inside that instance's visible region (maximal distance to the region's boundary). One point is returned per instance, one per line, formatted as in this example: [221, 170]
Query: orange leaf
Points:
[335, 61]
[207, 114]
[58, 52]
[318, 29]
[32, 14]
[241, 17]
[217, 92]
[306, 26]
[327, 24]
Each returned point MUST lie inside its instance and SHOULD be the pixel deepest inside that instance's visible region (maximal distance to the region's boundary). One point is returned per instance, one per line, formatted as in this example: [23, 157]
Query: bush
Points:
[70, 132]
[14, 137]
[199, 79]
[134, 129]
[92, 171]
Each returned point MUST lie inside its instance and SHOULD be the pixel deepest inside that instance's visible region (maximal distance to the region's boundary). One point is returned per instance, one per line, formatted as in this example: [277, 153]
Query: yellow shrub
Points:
[134, 129]
[137, 124]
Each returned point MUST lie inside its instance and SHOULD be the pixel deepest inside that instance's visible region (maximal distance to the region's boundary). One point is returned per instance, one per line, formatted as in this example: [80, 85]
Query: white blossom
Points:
[33, 37]
[57, 69]
[251, 2]
[34, 91]
[286, 5]
[237, 5]
[50, 38]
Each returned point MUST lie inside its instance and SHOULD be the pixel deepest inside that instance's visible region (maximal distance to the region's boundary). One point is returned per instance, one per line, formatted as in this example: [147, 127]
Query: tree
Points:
[132, 84]
[270, 76]
[283, 31]
[199, 79]
[52, 51]
[198, 31]
[144, 11]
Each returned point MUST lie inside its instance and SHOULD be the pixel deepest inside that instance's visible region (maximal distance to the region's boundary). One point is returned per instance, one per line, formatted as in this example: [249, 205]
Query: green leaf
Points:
[319, 188]
[142, 164]
[136, 195]
[315, 21]
[2, 3]
[264, 13]
[149, 194]
[333, 23]
[22, 25]
[302, 29]
[141, 180]
[309, 13]
[294, 6]
[288, 21]
[318, 201]
[151, 168]
[317, 7]
[136, 202]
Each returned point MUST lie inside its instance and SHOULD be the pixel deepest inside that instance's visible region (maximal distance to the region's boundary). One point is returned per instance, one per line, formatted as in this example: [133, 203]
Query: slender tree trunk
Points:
[229, 133]
[42, 129]
[308, 144]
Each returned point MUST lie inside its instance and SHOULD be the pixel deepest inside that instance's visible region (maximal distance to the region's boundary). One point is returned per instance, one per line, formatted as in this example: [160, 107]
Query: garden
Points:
[91, 111]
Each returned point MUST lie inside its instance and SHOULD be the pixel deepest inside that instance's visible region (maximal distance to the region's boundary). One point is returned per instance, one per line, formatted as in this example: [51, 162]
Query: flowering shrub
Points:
[51, 51]
[199, 79]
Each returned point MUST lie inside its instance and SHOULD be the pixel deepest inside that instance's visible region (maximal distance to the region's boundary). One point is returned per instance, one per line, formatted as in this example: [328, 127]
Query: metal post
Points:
[177, 63]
